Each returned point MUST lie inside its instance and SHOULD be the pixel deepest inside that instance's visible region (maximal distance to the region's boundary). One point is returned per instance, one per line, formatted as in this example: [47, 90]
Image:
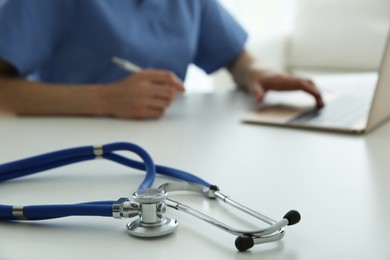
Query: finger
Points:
[309, 87]
[157, 96]
[257, 90]
[164, 78]
[164, 92]
[153, 112]
[158, 103]
[149, 113]
[287, 82]
[152, 90]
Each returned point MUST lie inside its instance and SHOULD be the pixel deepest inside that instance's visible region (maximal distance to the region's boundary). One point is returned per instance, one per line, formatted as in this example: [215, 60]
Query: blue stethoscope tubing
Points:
[64, 157]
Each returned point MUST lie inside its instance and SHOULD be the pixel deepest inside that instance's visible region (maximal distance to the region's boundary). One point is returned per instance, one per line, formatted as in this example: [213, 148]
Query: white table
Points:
[339, 183]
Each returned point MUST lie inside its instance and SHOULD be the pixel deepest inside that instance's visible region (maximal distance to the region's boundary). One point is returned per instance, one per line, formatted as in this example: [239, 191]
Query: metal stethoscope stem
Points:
[150, 206]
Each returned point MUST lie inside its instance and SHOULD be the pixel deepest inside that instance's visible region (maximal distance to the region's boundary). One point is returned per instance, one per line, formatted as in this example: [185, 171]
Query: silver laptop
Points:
[354, 105]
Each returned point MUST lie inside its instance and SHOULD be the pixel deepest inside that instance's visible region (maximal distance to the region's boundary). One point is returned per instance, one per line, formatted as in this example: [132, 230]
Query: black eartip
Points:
[293, 217]
[214, 187]
[243, 243]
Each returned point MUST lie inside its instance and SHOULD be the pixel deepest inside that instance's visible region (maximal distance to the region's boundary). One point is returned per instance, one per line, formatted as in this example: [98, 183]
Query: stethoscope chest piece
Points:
[152, 221]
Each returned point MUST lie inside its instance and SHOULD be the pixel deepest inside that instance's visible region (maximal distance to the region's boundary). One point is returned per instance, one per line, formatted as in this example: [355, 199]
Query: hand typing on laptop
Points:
[258, 80]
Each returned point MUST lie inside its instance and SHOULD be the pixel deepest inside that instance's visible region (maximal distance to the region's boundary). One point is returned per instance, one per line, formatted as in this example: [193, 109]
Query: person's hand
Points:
[143, 95]
[258, 82]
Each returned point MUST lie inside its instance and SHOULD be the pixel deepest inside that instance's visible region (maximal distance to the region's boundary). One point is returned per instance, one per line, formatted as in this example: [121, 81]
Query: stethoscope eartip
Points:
[243, 243]
[293, 217]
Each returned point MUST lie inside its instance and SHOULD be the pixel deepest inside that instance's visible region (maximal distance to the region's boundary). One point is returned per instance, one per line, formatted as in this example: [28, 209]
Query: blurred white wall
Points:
[342, 35]
[268, 22]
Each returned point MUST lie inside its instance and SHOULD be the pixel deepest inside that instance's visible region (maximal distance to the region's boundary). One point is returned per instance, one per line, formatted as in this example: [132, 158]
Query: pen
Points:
[126, 65]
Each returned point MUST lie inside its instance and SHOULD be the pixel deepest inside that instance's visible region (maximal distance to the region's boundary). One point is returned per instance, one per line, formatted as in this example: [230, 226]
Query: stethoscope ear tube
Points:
[246, 238]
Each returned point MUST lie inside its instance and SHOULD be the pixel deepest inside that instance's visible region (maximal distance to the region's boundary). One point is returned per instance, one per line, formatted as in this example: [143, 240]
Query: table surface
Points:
[339, 183]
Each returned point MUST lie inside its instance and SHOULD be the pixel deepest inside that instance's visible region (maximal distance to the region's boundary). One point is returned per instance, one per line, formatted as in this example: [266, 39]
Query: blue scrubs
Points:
[72, 41]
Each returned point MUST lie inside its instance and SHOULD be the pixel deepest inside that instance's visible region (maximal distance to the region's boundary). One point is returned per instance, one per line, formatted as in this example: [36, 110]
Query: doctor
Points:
[55, 56]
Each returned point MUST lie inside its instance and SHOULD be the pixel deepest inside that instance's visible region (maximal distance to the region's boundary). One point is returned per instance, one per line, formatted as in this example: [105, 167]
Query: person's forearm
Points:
[22, 97]
[241, 67]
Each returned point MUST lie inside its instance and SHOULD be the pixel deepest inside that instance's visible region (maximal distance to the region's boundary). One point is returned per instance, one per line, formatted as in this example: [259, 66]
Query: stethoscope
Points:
[148, 205]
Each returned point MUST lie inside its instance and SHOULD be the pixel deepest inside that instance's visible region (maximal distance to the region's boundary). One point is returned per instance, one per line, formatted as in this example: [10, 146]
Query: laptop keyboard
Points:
[341, 112]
